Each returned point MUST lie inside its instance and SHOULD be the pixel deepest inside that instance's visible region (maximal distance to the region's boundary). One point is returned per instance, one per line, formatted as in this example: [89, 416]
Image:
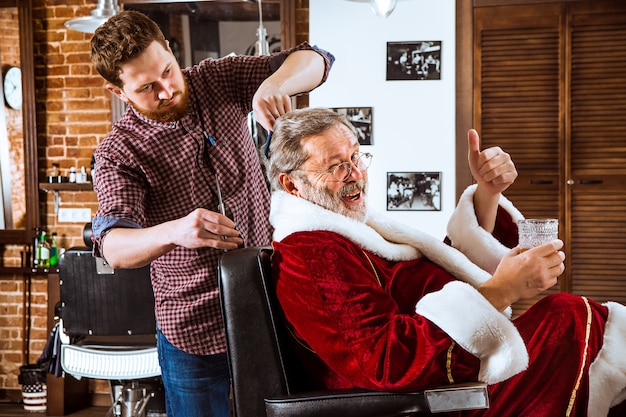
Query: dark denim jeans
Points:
[195, 385]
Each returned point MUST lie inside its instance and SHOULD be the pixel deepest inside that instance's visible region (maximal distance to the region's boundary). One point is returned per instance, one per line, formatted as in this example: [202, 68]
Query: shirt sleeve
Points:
[329, 59]
[239, 76]
[121, 194]
[102, 225]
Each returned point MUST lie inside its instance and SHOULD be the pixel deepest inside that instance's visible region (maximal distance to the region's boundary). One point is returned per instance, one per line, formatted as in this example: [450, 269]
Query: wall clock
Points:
[13, 87]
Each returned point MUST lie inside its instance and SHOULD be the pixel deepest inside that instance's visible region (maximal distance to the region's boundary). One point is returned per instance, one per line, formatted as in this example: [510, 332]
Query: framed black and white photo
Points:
[414, 191]
[419, 60]
[361, 118]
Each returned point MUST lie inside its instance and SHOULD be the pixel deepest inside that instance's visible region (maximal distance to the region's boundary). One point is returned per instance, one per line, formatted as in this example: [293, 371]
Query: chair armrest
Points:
[374, 404]
[457, 397]
[346, 403]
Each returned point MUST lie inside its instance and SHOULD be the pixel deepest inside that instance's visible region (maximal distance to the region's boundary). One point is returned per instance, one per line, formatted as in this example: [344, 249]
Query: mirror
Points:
[202, 29]
[216, 28]
[18, 138]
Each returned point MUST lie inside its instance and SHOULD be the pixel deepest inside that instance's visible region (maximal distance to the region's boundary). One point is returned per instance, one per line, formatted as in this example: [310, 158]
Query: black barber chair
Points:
[265, 374]
[108, 331]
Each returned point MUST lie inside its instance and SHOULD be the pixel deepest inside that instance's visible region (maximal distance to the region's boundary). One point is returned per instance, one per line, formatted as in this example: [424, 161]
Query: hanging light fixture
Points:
[89, 24]
[383, 8]
[262, 46]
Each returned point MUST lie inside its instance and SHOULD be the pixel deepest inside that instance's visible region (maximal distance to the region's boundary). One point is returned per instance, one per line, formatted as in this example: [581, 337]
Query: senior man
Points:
[376, 304]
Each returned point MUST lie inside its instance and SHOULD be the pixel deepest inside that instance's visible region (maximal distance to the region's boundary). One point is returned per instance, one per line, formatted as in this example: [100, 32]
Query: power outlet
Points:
[74, 215]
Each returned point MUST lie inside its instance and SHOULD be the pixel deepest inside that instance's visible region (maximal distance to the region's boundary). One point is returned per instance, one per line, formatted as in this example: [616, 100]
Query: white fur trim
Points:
[607, 373]
[290, 214]
[449, 258]
[468, 318]
[471, 239]
[380, 235]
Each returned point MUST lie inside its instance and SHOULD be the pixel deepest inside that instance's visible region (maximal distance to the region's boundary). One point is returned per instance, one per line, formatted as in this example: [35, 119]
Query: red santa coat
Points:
[384, 307]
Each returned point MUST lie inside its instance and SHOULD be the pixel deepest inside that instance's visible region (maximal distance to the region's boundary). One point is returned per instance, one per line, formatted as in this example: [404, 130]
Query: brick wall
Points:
[302, 20]
[73, 115]
[73, 111]
[302, 34]
[13, 288]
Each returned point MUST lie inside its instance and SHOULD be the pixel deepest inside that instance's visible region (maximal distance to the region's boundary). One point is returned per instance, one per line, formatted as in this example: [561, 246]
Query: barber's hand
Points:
[522, 275]
[204, 228]
[493, 169]
[268, 104]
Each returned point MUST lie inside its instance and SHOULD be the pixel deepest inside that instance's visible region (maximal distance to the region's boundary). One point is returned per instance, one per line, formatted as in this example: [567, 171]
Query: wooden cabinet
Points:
[550, 89]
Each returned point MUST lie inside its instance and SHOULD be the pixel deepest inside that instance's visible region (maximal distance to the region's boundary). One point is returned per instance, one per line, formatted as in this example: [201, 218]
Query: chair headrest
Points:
[87, 235]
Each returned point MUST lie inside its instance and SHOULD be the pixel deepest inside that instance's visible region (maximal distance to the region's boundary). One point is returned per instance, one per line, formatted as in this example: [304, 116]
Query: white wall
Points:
[413, 121]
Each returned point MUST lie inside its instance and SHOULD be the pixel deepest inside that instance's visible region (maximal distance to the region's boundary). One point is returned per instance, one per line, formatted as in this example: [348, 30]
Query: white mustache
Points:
[358, 186]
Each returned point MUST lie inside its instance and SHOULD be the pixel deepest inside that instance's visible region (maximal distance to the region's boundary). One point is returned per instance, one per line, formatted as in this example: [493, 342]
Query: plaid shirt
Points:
[148, 173]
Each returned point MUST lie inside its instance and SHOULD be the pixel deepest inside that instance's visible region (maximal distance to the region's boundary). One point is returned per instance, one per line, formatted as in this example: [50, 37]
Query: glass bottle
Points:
[54, 250]
[82, 175]
[43, 251]
[35, 244]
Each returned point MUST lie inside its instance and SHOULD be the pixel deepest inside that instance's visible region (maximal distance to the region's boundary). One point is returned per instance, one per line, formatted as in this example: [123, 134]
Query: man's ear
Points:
[288, 184]
[117, 91]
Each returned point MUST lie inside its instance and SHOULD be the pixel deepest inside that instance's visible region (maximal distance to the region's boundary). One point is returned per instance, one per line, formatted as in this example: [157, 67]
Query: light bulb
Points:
[383, 8]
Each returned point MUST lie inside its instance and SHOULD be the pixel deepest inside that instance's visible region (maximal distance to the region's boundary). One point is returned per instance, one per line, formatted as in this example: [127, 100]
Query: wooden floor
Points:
[17, 410]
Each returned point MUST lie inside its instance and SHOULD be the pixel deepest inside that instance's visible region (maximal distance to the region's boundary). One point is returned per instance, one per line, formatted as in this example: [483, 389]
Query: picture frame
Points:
[418, 60]
[413, 191]
[362, 120]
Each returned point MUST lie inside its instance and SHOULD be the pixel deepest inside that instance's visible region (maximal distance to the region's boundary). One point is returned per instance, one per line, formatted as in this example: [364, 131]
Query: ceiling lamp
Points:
[382, 8]
[262, 46]
[89, 24]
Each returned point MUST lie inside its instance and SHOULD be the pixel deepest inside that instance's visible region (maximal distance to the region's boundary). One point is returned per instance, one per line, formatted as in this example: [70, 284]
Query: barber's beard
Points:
[170, 114]
[325, 198]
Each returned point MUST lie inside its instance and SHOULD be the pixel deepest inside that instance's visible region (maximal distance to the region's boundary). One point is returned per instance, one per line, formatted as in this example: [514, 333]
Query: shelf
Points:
[65, 186]
[5, 270]
[55, 187]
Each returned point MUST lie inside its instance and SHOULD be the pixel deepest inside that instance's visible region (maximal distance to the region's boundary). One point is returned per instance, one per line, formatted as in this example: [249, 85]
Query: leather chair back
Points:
[260, 367]
[99, 301]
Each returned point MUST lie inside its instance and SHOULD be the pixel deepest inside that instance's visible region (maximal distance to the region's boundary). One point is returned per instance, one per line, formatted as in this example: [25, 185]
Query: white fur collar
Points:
[475, 242]
[380, 235]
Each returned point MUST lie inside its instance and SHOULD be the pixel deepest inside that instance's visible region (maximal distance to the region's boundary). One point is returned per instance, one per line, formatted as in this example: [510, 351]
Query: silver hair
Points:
[286, 153]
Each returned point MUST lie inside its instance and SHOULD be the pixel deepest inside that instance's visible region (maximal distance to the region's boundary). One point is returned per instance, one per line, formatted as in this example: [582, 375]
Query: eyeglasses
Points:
[341, 172]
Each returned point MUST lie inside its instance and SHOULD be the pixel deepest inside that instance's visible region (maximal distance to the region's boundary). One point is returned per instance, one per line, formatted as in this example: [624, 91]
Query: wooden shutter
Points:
[518, 101]
[550, 88]
[597, 124]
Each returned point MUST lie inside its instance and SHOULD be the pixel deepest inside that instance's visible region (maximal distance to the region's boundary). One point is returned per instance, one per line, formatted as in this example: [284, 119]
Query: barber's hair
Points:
[121, 38]
[286, 152]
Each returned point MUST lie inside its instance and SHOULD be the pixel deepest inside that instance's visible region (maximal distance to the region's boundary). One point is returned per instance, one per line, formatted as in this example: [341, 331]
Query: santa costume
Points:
[382, 306]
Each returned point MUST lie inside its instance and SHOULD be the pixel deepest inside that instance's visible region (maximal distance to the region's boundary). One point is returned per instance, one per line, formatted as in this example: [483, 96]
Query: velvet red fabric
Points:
[505, 230]
[352, 315]
[364, 328]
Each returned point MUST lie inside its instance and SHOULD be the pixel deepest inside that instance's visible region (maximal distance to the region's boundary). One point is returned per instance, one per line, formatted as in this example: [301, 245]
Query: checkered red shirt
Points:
[148, 173]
